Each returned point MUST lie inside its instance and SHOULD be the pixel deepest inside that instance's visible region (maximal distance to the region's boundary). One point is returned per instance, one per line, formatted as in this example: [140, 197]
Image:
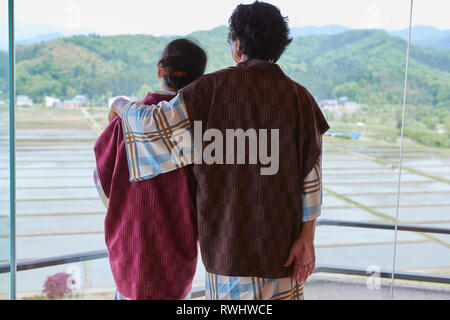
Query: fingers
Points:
[307, 272]
[301, 275]
[312, 267]
[303, 271]
[297, 270]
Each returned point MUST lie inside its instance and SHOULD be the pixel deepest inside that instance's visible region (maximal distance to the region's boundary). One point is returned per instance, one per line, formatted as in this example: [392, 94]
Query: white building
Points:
[51, 102]
[24, 101]
[338, 107]
[80, 100]
[76, 102]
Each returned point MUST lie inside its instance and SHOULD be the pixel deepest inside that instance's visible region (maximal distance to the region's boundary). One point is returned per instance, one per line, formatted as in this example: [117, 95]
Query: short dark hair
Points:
[261, 29]
[182, 62]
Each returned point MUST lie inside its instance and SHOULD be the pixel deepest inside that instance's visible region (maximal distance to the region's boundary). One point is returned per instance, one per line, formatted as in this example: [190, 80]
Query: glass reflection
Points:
[425, 198]
[355, 71]
[4, 153]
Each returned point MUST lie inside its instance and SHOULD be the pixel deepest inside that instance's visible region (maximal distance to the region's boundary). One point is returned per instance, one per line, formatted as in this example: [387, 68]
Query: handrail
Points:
[101, 254]
[385, 226]
[412, 276]
[55, 261]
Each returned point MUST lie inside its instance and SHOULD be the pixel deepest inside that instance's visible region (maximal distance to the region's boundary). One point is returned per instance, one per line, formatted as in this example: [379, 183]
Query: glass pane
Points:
[4, 153]
[90, 280]
[425, 200]
[356, 73]
[58, 210]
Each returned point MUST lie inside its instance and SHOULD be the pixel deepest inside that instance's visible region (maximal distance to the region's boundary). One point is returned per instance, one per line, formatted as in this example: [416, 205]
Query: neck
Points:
[167, 88]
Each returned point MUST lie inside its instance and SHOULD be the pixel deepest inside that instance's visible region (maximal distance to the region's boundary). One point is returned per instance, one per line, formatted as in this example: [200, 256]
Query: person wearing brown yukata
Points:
[256, 230]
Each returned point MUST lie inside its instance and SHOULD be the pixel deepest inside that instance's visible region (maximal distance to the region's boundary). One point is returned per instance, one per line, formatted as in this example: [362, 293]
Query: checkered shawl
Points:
[312, 194]
[251, 288]
[157, 138]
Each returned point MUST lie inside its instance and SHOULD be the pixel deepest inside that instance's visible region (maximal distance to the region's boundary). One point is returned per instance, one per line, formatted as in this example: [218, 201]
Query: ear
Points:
[159, 72]
[236, 50]
[238, 47]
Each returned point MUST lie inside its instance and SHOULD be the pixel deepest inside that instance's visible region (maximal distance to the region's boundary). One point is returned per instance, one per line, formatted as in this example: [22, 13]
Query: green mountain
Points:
[364, 65]
[368, 66]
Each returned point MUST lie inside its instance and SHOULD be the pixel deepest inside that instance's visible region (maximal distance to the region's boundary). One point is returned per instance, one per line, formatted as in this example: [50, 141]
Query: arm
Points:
[157, 138]
[303, 251]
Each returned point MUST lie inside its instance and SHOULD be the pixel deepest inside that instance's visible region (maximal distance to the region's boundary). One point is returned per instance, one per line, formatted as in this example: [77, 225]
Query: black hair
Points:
[182, 62]
[261, 29]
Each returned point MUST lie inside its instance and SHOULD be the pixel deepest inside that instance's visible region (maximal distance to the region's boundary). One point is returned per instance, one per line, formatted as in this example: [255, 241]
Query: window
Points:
[5, 255]
[350, 54]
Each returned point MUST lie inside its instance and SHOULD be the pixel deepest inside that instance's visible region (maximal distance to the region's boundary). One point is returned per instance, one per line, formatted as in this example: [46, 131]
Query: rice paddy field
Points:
[58, 210]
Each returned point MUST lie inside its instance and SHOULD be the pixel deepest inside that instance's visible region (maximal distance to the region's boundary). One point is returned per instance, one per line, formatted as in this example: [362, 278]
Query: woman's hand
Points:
[303, 253]
[116, 108]
[112, 115]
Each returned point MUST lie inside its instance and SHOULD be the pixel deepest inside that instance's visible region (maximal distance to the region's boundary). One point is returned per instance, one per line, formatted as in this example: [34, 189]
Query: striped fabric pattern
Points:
[251, 288]
[312, 194]
[150, 227]
[157, 138]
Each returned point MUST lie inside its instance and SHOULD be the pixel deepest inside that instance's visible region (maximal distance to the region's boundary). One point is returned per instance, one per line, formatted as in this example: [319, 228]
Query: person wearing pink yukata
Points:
[150, 227]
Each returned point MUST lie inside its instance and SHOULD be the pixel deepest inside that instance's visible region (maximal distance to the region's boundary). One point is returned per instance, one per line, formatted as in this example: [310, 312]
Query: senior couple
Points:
[254, 228]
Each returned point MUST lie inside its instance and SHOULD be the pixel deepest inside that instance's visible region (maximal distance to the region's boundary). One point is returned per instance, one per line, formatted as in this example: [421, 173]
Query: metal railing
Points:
[55, 261]
[197, 292]
[384, 226]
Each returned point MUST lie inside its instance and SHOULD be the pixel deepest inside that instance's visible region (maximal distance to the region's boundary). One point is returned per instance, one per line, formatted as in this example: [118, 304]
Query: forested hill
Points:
[365, 65]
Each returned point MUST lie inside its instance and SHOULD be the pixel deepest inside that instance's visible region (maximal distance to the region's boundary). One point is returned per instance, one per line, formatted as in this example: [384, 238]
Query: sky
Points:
[184, 16]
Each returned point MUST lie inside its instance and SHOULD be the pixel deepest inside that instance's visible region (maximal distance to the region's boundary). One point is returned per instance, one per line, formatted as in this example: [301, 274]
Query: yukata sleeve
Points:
[312, 194]
[158, 138]
[105, 151]
[313, 127]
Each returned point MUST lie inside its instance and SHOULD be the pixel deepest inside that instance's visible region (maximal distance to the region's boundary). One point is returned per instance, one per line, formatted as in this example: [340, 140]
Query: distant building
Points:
[343, 101]
[69, 104]
[339, 106]
[81, 100]
[328, 103]
[23, 101]
[51, 102]
[76, 102]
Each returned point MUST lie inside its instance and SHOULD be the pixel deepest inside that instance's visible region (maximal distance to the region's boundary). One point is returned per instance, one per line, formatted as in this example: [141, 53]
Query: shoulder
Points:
[210, 78]
[300, 89]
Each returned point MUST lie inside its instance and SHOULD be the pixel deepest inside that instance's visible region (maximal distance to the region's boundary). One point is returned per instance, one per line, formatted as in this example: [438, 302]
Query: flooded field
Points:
[58, 210]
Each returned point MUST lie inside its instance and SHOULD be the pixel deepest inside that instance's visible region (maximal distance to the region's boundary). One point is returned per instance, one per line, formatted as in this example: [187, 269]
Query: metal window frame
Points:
[12, 267]
[12, 148]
